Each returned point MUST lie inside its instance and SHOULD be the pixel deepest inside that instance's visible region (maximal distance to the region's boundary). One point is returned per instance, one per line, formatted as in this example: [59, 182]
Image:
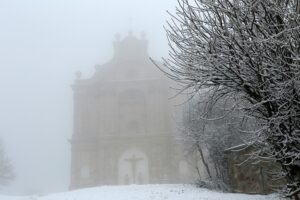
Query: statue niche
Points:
[133, 167]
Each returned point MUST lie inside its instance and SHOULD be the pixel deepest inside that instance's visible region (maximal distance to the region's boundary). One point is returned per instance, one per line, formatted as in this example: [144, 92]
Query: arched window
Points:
[132, 97]
[134, 126]
[132, 111]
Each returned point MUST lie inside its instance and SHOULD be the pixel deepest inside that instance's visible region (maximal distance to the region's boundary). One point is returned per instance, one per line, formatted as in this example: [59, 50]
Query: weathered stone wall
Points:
[247, 175]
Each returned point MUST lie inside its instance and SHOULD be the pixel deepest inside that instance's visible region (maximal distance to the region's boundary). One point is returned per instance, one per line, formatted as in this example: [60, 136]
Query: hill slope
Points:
[144, 192]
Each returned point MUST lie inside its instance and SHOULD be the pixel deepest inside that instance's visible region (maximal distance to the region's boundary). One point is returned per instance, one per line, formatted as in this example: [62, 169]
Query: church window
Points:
[134, 127]
[132, 97]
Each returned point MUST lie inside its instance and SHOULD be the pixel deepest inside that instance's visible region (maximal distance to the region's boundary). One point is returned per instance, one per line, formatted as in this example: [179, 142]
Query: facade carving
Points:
[123, 123]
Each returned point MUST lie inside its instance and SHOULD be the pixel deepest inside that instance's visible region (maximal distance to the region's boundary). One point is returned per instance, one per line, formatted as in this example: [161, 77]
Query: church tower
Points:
[123, 131]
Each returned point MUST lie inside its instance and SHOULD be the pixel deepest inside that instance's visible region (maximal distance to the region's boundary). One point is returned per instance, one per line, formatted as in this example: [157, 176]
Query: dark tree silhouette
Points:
[6, 168]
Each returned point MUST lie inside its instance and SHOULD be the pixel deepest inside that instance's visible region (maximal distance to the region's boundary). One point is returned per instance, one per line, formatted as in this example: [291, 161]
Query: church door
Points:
[133, 167]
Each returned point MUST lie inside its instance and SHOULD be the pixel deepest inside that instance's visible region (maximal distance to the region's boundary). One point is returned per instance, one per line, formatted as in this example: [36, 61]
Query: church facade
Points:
[123, 129]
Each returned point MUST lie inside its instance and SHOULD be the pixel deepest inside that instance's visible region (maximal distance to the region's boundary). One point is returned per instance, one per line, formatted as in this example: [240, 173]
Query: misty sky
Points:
[42, 44]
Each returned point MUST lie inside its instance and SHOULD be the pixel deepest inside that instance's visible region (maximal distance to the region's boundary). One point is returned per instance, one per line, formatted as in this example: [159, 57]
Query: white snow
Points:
[144, 192]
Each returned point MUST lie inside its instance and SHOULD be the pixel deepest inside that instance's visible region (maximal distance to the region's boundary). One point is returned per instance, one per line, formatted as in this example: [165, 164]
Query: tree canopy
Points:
[247, 50]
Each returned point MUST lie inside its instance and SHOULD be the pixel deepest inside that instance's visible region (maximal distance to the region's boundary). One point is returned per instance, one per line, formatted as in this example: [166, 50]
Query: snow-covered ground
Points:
[143, 192]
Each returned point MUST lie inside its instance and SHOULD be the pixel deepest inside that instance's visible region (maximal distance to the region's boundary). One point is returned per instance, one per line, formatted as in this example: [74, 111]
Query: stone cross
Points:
[133, 162]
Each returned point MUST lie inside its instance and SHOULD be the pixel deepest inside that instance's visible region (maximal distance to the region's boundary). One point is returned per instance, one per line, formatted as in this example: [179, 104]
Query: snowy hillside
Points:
[144, 192]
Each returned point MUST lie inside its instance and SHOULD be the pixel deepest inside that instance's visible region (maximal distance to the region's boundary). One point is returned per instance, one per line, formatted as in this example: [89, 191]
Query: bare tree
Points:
[208, 139]
[6, 168]
[248, 50]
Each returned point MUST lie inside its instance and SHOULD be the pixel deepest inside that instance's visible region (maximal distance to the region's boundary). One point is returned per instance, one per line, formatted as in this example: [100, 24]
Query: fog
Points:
[42, 45]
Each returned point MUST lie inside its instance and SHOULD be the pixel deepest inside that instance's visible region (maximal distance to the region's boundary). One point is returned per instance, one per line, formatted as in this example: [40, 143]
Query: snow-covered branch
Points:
[248, 49]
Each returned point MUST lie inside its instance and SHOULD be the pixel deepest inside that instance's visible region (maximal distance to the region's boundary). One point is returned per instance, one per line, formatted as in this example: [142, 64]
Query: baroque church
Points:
[124, 123]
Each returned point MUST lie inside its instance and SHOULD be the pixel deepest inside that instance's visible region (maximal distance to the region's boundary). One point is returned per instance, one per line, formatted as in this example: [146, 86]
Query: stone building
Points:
[247, 175]
[123, 123]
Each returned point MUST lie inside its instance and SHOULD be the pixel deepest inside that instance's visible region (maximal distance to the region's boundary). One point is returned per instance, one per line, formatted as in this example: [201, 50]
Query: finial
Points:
[117, 36]
[130, 33]
[78, 75]
[97, 66]
[143, 35]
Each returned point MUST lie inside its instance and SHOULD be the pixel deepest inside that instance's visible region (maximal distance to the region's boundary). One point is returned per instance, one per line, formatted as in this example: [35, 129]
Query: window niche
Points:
[132, 111]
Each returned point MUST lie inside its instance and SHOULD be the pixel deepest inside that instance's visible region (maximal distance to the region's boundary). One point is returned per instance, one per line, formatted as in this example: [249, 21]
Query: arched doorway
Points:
[133, 167]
